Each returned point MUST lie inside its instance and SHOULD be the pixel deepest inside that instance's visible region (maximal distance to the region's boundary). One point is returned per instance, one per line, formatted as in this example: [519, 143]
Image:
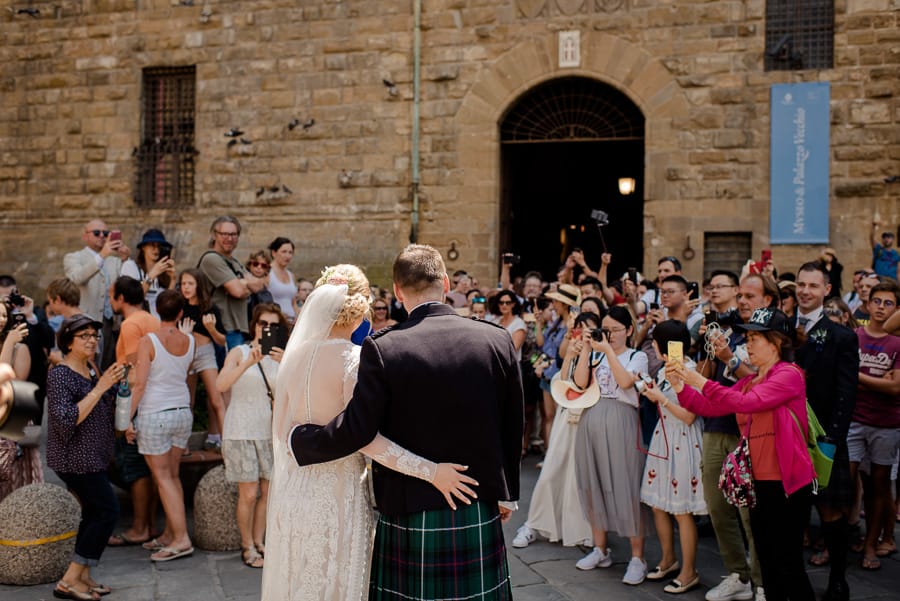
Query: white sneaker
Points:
[595, 559]
[524, 536]
[731, 589]
[636, 572]
[760, 594]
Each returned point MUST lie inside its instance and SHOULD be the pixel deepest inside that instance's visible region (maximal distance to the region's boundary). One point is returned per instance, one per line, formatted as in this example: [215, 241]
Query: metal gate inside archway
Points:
[565, 144]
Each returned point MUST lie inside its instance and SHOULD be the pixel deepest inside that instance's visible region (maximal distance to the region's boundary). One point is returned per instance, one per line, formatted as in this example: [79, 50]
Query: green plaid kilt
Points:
[441, 555]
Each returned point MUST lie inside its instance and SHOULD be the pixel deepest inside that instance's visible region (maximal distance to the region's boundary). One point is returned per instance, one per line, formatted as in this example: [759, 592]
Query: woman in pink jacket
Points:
[782, 470]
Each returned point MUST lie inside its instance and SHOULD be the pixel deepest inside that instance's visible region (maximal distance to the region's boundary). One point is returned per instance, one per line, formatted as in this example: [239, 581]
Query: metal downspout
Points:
[417, 65]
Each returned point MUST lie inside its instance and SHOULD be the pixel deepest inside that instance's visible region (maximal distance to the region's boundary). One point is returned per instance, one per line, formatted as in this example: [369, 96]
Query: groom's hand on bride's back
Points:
[450, 480]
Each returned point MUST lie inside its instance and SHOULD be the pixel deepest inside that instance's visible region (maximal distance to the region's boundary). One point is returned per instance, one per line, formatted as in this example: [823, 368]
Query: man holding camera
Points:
[94, 268]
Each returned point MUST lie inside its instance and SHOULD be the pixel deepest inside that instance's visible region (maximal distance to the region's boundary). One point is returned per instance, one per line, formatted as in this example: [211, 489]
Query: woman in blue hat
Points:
[154, 266]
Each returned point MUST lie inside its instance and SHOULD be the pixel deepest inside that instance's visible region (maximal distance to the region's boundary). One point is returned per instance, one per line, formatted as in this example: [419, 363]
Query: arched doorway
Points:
[564, 145]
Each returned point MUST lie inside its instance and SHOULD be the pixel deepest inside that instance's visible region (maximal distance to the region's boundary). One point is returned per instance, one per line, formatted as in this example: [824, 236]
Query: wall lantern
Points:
[626, 186]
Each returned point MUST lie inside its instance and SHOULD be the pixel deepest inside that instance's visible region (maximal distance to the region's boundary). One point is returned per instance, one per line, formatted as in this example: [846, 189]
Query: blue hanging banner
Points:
[799, 153]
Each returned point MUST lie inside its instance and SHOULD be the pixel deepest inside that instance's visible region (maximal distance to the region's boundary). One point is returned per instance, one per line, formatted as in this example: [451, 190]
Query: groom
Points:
[446, 388]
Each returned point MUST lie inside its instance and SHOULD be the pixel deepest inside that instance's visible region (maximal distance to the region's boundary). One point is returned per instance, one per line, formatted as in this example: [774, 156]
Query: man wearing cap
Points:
[94, 268]
[885, 258]
[830, 358]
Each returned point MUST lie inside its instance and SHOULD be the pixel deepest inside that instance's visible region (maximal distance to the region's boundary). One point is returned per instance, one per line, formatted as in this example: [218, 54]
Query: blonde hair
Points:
[356, 303]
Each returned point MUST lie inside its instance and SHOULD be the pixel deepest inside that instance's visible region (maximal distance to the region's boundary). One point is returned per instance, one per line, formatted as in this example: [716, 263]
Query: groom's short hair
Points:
[419, 267]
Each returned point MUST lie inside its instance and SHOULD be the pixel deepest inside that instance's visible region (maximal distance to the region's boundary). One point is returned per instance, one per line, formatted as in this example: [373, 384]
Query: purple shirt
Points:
[877, 356]
[75, 448]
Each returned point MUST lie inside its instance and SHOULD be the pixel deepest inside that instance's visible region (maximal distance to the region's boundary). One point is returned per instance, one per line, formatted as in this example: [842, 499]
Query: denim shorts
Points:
[160, 431]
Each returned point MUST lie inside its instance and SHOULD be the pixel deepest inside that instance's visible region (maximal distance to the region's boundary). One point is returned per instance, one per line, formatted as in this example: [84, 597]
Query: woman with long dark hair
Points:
[153, 266]
[281, 281]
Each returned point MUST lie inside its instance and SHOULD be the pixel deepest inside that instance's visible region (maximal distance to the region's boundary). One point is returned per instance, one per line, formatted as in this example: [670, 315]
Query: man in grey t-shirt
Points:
[231, 283]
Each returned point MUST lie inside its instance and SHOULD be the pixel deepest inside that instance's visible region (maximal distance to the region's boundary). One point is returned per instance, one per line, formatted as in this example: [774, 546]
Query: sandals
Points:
[260, 548]
[251, 557]
[153, 545]
[170, 553]
[64, 590]
[883, 550]
[870, 563]
[121, 540]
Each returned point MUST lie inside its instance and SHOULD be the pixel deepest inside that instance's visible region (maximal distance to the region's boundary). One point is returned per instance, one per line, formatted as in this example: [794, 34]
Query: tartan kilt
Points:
[441, 555]
[841, 490]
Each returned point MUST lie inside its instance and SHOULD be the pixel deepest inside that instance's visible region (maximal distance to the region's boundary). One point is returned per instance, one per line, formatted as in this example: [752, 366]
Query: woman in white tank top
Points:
[281, 281]
[164, 419]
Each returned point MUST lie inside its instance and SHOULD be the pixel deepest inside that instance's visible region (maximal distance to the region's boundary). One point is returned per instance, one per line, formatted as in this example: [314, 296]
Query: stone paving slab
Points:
[540, 572]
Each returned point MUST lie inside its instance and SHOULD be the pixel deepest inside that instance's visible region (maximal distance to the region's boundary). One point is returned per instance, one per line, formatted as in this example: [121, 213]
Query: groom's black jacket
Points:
[442, 386]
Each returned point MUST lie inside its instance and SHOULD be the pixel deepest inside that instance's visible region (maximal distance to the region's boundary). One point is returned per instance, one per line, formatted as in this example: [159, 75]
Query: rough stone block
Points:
[38, 524]
[215, 504]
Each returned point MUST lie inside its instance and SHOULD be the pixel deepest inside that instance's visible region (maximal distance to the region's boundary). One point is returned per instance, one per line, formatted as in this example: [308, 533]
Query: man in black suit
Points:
[446, 388]
[830, 358]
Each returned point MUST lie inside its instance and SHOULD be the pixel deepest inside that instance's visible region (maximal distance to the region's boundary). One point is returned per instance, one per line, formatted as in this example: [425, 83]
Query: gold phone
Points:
[676, 351]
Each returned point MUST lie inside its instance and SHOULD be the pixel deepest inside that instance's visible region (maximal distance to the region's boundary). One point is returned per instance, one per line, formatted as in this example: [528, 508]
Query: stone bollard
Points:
[215, 521]
[38, 524]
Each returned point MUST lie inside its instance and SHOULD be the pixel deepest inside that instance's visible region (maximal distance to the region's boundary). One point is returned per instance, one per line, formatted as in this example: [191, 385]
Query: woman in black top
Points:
[80, 440]
[204, 321]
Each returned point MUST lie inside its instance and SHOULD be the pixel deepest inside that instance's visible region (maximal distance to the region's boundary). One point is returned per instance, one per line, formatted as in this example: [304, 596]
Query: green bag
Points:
[820, 452]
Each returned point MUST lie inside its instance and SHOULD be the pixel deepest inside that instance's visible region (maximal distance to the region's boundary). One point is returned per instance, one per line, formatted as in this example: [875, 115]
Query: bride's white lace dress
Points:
[320, 526]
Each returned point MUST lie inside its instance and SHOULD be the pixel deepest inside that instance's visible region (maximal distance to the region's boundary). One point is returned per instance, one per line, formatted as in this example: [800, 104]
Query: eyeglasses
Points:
[721, 286]
[506, 302]
[262, 264]
[880, 302]
[615, 330]
[99, 233]
[88, 336]
[669, 291]
[228, 234]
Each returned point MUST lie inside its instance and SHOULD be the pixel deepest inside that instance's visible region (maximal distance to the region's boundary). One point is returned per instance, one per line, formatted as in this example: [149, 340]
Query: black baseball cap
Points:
[768, 320]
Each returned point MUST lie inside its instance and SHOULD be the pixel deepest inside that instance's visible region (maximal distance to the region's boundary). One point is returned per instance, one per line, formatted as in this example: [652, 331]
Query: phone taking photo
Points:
[273, 336]
[675, 351]
[115, 236]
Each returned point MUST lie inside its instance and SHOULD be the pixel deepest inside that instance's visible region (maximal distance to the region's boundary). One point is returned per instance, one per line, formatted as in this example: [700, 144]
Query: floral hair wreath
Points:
[332, 276]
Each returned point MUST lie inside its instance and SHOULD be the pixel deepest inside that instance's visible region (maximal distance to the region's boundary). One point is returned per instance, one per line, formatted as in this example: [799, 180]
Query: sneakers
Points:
[636, 572]
[595, 559]
[760, 594]
[524, 537]
[731, 589]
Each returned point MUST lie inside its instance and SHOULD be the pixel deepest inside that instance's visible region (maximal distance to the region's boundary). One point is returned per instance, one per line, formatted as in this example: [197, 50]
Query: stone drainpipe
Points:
[417, 65]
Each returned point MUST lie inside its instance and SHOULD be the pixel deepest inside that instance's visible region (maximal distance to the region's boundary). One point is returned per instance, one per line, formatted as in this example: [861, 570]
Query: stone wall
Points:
[70, 96]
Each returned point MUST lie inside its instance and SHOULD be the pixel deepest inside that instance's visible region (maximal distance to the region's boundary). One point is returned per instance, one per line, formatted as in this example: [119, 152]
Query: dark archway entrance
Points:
[564, 145]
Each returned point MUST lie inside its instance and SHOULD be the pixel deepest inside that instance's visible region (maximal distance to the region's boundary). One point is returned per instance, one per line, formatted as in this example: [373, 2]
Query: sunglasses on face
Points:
[99, 233]
[228, 234]
[265, 324]
[380, 308]
[833, 312]
[506, 302]
[262, 264]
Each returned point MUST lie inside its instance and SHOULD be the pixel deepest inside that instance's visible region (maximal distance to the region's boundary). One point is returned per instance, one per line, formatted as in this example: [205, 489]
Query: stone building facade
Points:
[72, 108]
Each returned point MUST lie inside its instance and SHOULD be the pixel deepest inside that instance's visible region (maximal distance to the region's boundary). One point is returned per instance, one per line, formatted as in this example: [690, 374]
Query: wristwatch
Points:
[733, 363]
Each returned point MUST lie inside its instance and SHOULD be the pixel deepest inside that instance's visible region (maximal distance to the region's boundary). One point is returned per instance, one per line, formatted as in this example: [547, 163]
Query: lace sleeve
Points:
[393, 456]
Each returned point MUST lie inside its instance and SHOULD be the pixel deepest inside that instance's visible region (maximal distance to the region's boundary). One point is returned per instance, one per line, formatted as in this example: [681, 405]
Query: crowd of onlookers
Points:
[636, 392]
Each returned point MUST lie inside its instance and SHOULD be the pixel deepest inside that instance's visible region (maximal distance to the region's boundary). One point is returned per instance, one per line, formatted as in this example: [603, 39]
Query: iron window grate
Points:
[572, 109]
[165, 157]
[799, 35]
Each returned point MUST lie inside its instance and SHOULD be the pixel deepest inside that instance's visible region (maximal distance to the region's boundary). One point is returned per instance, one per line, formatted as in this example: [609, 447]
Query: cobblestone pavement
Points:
[540, 572]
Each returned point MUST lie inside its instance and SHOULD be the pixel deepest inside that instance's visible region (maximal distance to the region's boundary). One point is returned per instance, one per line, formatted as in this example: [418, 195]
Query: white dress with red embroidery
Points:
[672, 478]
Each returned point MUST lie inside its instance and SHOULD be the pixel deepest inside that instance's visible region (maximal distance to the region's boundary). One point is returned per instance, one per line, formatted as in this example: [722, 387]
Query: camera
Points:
[601, 217]
[725, 320]
[600, 335]
[510, 259]
[18, 406]
[645, 382]
[15, 299]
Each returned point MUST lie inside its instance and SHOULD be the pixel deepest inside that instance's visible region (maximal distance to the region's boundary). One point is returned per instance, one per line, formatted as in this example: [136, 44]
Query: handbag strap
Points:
[266, 381]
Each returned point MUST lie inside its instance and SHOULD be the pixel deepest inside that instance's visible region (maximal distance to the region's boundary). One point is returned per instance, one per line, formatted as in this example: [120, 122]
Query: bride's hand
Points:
[450, 480]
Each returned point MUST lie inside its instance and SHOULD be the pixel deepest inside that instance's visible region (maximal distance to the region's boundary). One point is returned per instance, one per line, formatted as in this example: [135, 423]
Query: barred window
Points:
[799, 34]
[165, 158]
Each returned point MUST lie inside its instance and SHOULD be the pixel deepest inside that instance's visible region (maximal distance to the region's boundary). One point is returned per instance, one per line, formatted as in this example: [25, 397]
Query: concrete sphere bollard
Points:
[38, 524]
[215, 506]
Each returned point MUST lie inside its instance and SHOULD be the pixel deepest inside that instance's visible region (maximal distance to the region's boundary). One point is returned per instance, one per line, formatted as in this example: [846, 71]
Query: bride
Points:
[320, 526]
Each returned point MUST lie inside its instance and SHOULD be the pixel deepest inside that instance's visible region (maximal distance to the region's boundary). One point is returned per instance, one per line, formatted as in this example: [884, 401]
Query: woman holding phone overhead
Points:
[249, 373]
